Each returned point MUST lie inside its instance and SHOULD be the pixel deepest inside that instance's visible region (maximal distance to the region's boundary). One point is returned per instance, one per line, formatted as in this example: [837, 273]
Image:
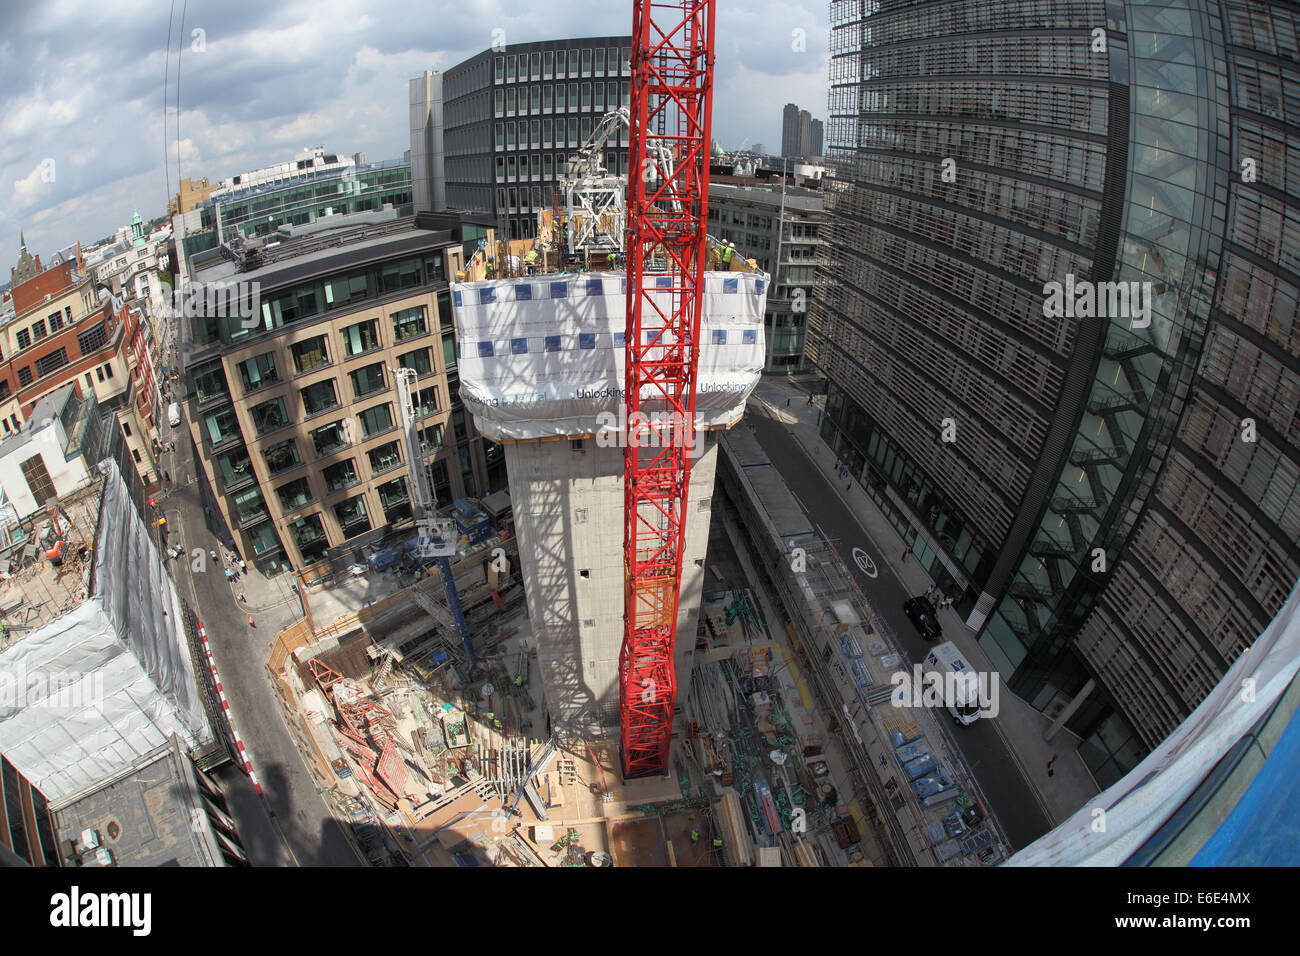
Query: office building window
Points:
[38, 330]
[24, 338]
[258, 372]
[421, 360]
[311, 354]
[384, 457]
[409, 323]
[25, 375]
[48, 363]
[269, 416]
[330, 438]
[352, 516]
[340, 475]
[282, 456]
[222, 427]
[362, 337]
[295, 494]
[367, 381]
[317, 398]
[375, 420]
[56, 321]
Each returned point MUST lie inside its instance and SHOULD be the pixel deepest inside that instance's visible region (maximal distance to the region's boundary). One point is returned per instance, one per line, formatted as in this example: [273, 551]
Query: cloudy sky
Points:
[84, 87]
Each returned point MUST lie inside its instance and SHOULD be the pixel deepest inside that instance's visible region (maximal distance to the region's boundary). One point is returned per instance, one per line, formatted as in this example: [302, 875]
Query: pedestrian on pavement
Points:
[250, 620]
[168, 476]
[206, 511]
[906, 552]
[810, 399]
[242, 600]
[213, 555]
[242, 567]
[929, 590]
[227, 575]
[848, 484]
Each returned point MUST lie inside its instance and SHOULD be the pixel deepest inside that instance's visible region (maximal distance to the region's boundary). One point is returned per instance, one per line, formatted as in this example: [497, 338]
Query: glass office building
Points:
[514, 115]
[260, 210]
[1113, 495]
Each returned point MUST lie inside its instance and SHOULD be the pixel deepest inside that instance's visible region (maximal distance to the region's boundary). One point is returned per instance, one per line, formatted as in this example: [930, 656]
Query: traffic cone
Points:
[250, 620]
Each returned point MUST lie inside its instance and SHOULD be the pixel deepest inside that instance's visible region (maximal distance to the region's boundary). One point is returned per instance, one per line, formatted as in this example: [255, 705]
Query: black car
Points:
[920, 612]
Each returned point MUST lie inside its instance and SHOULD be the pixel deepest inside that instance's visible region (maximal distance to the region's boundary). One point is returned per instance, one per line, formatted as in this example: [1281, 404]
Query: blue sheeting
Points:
[1263, 829]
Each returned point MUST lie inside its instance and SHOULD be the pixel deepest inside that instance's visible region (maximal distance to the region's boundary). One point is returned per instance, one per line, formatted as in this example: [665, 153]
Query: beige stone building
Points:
[294, 408]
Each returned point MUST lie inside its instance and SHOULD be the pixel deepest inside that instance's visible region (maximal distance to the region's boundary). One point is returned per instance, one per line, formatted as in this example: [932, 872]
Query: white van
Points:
[174, 413]
[960, 677]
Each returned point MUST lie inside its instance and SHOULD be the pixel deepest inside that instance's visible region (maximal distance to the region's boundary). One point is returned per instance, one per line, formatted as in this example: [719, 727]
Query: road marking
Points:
[225, 706]
[863, 560]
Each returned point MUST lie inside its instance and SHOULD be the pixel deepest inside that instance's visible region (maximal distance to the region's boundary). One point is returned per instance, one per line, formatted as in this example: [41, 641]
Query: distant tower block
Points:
[541, 369]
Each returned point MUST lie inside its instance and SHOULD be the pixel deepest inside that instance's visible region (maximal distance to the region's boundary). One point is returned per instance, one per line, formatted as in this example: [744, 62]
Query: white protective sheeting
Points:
[76, 706]
[1136, 806]
[110, 680]
[543, 356]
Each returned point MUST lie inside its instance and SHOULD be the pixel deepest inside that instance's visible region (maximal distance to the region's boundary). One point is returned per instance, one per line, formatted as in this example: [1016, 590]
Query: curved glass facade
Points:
[1111, 529]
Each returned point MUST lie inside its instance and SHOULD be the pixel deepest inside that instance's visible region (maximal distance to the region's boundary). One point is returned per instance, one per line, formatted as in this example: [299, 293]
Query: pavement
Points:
[1007, 754]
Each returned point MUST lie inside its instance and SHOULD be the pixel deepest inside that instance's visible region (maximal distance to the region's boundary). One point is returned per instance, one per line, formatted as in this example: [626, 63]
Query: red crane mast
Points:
[667, 209]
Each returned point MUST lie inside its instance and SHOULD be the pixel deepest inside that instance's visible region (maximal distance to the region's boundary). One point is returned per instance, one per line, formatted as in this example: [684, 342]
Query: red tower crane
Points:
[667, 209]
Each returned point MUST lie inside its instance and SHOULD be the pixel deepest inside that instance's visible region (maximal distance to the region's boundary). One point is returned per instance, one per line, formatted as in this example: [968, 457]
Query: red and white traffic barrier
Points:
[225, 704]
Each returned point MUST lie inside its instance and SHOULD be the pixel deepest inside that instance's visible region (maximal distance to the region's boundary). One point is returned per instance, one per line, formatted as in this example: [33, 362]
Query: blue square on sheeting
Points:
[559, 290]
[595, 287]
[552, 343]
[485, 350]
[730, 285]
[455, 297]
[486, 295]
[620, 340]
[518, 346]
[719, 336]
[750, 337]
[586, 340]
[523, 293]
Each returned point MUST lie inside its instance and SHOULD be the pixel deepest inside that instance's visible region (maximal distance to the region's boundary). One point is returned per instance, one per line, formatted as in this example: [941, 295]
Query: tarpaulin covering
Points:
[108, 681]
[543, 356]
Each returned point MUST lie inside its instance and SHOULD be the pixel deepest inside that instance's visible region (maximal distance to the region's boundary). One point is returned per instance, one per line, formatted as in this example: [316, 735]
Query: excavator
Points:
[53, 534]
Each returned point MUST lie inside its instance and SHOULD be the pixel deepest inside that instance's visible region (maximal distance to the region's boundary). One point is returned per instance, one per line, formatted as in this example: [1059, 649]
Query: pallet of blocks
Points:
[900, 727]
[732, 822]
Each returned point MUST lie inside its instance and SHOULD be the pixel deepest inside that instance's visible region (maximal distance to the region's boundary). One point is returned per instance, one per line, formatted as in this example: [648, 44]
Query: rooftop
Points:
[146, 814]
[313, 250]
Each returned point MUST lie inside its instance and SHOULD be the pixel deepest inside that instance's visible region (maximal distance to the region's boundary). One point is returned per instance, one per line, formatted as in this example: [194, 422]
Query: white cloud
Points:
[84, 85]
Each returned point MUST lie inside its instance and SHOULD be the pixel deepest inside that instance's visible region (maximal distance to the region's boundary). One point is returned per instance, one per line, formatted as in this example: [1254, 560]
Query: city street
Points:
[290, 824]
[998, 773]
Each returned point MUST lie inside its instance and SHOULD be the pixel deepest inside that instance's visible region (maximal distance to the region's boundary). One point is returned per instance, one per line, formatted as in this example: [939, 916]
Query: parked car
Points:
[920, 612]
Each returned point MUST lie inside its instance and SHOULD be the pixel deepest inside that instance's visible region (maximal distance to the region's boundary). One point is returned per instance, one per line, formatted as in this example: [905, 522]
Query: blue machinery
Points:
[437, 536]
